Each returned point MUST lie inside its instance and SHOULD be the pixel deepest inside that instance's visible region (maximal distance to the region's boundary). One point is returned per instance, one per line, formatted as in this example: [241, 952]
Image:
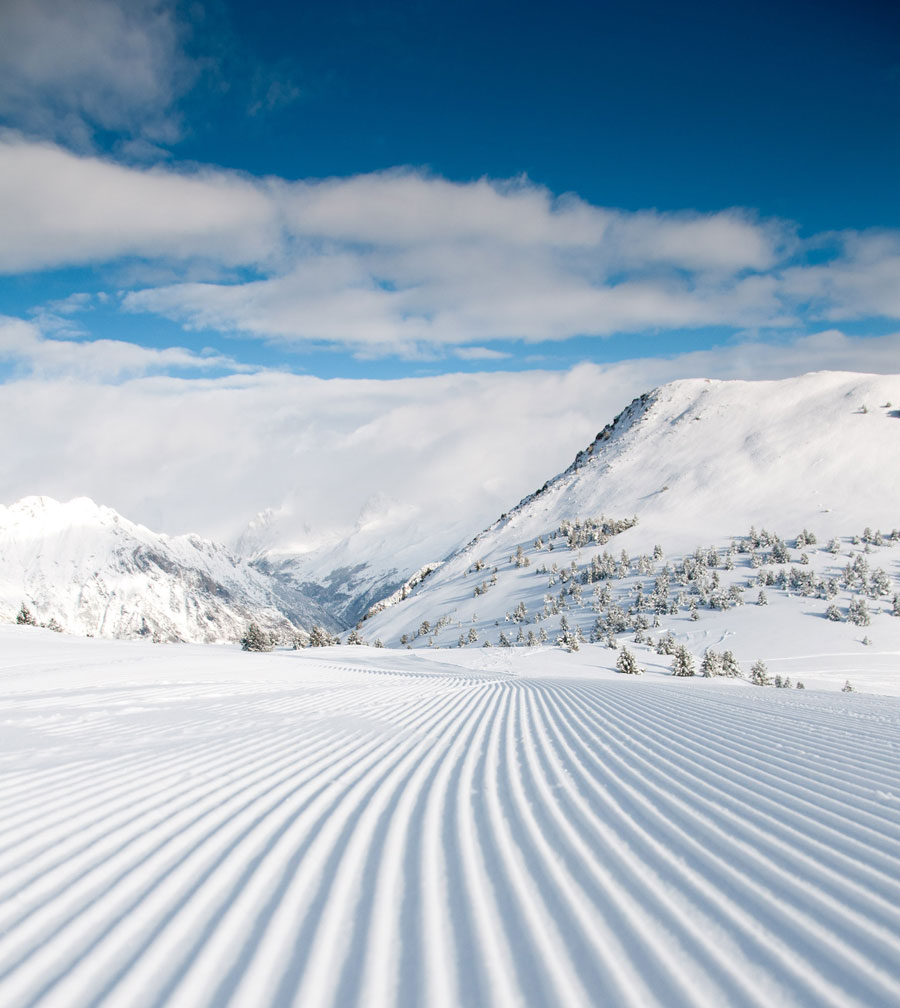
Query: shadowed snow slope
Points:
[198, 827]
[95, 572]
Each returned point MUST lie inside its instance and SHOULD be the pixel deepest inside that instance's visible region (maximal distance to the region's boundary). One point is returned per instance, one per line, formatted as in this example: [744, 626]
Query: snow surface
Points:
[195, 826]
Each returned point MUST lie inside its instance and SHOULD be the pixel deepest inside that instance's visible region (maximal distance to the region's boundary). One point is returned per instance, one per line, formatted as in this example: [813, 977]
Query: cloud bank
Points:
[403, 263]
[207, 453]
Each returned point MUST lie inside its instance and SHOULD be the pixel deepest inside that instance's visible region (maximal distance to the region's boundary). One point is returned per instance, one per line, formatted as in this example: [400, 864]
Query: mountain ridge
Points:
[93, 571]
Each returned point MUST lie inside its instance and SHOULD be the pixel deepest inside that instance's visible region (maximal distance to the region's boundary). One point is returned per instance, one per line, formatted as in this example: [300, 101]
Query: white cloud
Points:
[68, 67]
[864, 281]
[94, 360]
[479, 353]
[59, 208]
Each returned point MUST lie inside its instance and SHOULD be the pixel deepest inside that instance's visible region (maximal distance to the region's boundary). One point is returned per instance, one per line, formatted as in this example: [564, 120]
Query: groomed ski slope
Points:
[192, 827]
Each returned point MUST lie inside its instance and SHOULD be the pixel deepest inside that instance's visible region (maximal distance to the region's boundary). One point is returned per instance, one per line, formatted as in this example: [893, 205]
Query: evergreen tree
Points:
[711, 664]
[684, 663]
[54, 626]
[627, 664]
[761, 598]
[504, 640]
[833, 613]
[858, 612]
[666, 645]
[847, 688]
[759, 674]
[729, 665]
[378, 642]
[25, 617]
[256, 639]
[355, 637]
[322, 638]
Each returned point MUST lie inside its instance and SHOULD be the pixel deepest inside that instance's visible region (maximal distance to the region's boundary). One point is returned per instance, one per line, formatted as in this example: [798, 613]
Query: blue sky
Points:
[385, 190]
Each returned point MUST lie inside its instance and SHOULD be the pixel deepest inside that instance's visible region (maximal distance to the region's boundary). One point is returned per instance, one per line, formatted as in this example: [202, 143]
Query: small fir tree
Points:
[627, 664]
[759, 674]
[684, 663]
[858, 612]
[256, 639]
[711, 664]
[729, 665]
[25, 617]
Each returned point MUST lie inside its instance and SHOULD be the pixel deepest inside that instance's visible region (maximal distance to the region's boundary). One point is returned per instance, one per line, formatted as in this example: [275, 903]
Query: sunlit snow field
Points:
[197, 826]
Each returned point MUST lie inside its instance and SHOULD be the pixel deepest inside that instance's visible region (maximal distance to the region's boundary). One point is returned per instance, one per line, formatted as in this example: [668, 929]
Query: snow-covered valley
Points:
[197, 826]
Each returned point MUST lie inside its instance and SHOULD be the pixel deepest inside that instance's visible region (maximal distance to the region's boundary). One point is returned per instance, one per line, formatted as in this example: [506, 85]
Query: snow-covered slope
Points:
[95, 572]
[201, 828]
[698, 463]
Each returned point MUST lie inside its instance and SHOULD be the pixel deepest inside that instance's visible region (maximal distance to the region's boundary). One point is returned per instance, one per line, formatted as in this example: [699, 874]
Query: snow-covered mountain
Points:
[697, 463]
[95, 572]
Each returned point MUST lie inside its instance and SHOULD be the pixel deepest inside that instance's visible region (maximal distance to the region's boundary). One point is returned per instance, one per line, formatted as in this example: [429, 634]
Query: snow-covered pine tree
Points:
[256, 639]
[729, 665]
[759, 674]
[355, 637]
[627, 664]
[711, 664]
[666, 644]
[322, 638]
[858, 612]
[683, 664]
